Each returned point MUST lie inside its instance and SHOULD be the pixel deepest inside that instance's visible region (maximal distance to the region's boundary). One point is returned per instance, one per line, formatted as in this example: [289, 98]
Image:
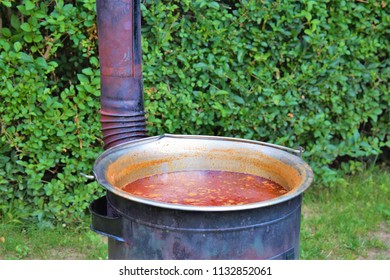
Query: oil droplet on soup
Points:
[205, 188]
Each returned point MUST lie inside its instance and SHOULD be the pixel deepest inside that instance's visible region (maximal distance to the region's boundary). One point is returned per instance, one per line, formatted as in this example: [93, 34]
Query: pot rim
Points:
[301, 166]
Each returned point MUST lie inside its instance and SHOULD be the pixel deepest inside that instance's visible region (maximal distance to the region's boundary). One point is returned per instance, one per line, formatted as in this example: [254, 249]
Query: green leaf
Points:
[4, 159]
[82, 78]
[81, 105]
[214, 5]
[314, 24]
[89, 88]
[29, 5]
[28, 38]
[26, 58]
[203, 4]
[41, 62]
[240, 56]
[17, 46]
[222, 92]
[276, 99]
[6, 46]
[25, 27]
[15, 22]
[6, 32]
[238, 99]
[94, 61]
[87, 71]
[200, 65]
[7, 3]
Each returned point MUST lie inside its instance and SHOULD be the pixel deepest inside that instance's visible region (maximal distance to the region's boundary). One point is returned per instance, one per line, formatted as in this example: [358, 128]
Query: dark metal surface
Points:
[119, 30]
[103, 222]
[149, 232]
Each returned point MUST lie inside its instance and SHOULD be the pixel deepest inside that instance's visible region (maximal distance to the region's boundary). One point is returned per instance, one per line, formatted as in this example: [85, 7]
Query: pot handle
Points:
[90, 178]
[104, 224]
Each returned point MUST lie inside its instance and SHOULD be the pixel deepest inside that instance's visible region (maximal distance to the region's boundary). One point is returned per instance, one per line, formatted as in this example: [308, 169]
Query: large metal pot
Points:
[141, 228]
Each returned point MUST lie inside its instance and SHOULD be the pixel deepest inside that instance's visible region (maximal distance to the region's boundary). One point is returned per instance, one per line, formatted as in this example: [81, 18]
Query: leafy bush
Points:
[49, 108]
[309, 73]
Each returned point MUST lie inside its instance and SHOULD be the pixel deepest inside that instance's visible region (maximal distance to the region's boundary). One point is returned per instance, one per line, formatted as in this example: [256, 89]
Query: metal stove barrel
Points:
[140, 228]
[137, 230]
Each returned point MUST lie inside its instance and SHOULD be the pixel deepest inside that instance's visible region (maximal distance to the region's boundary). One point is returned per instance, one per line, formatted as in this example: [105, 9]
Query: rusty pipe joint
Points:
[122, 103]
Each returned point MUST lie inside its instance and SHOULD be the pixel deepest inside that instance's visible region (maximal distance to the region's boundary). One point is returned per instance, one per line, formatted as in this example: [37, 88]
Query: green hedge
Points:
[308, 73]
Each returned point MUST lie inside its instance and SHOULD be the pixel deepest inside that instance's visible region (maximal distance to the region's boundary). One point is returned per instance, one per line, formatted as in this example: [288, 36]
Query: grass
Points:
[60, 243]
[350, 221]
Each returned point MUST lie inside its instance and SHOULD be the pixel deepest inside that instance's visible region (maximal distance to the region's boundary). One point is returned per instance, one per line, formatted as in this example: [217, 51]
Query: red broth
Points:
[205, 188]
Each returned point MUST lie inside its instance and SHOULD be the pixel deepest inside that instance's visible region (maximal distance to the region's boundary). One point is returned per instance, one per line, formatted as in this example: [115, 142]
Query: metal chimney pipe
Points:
[122, 105]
